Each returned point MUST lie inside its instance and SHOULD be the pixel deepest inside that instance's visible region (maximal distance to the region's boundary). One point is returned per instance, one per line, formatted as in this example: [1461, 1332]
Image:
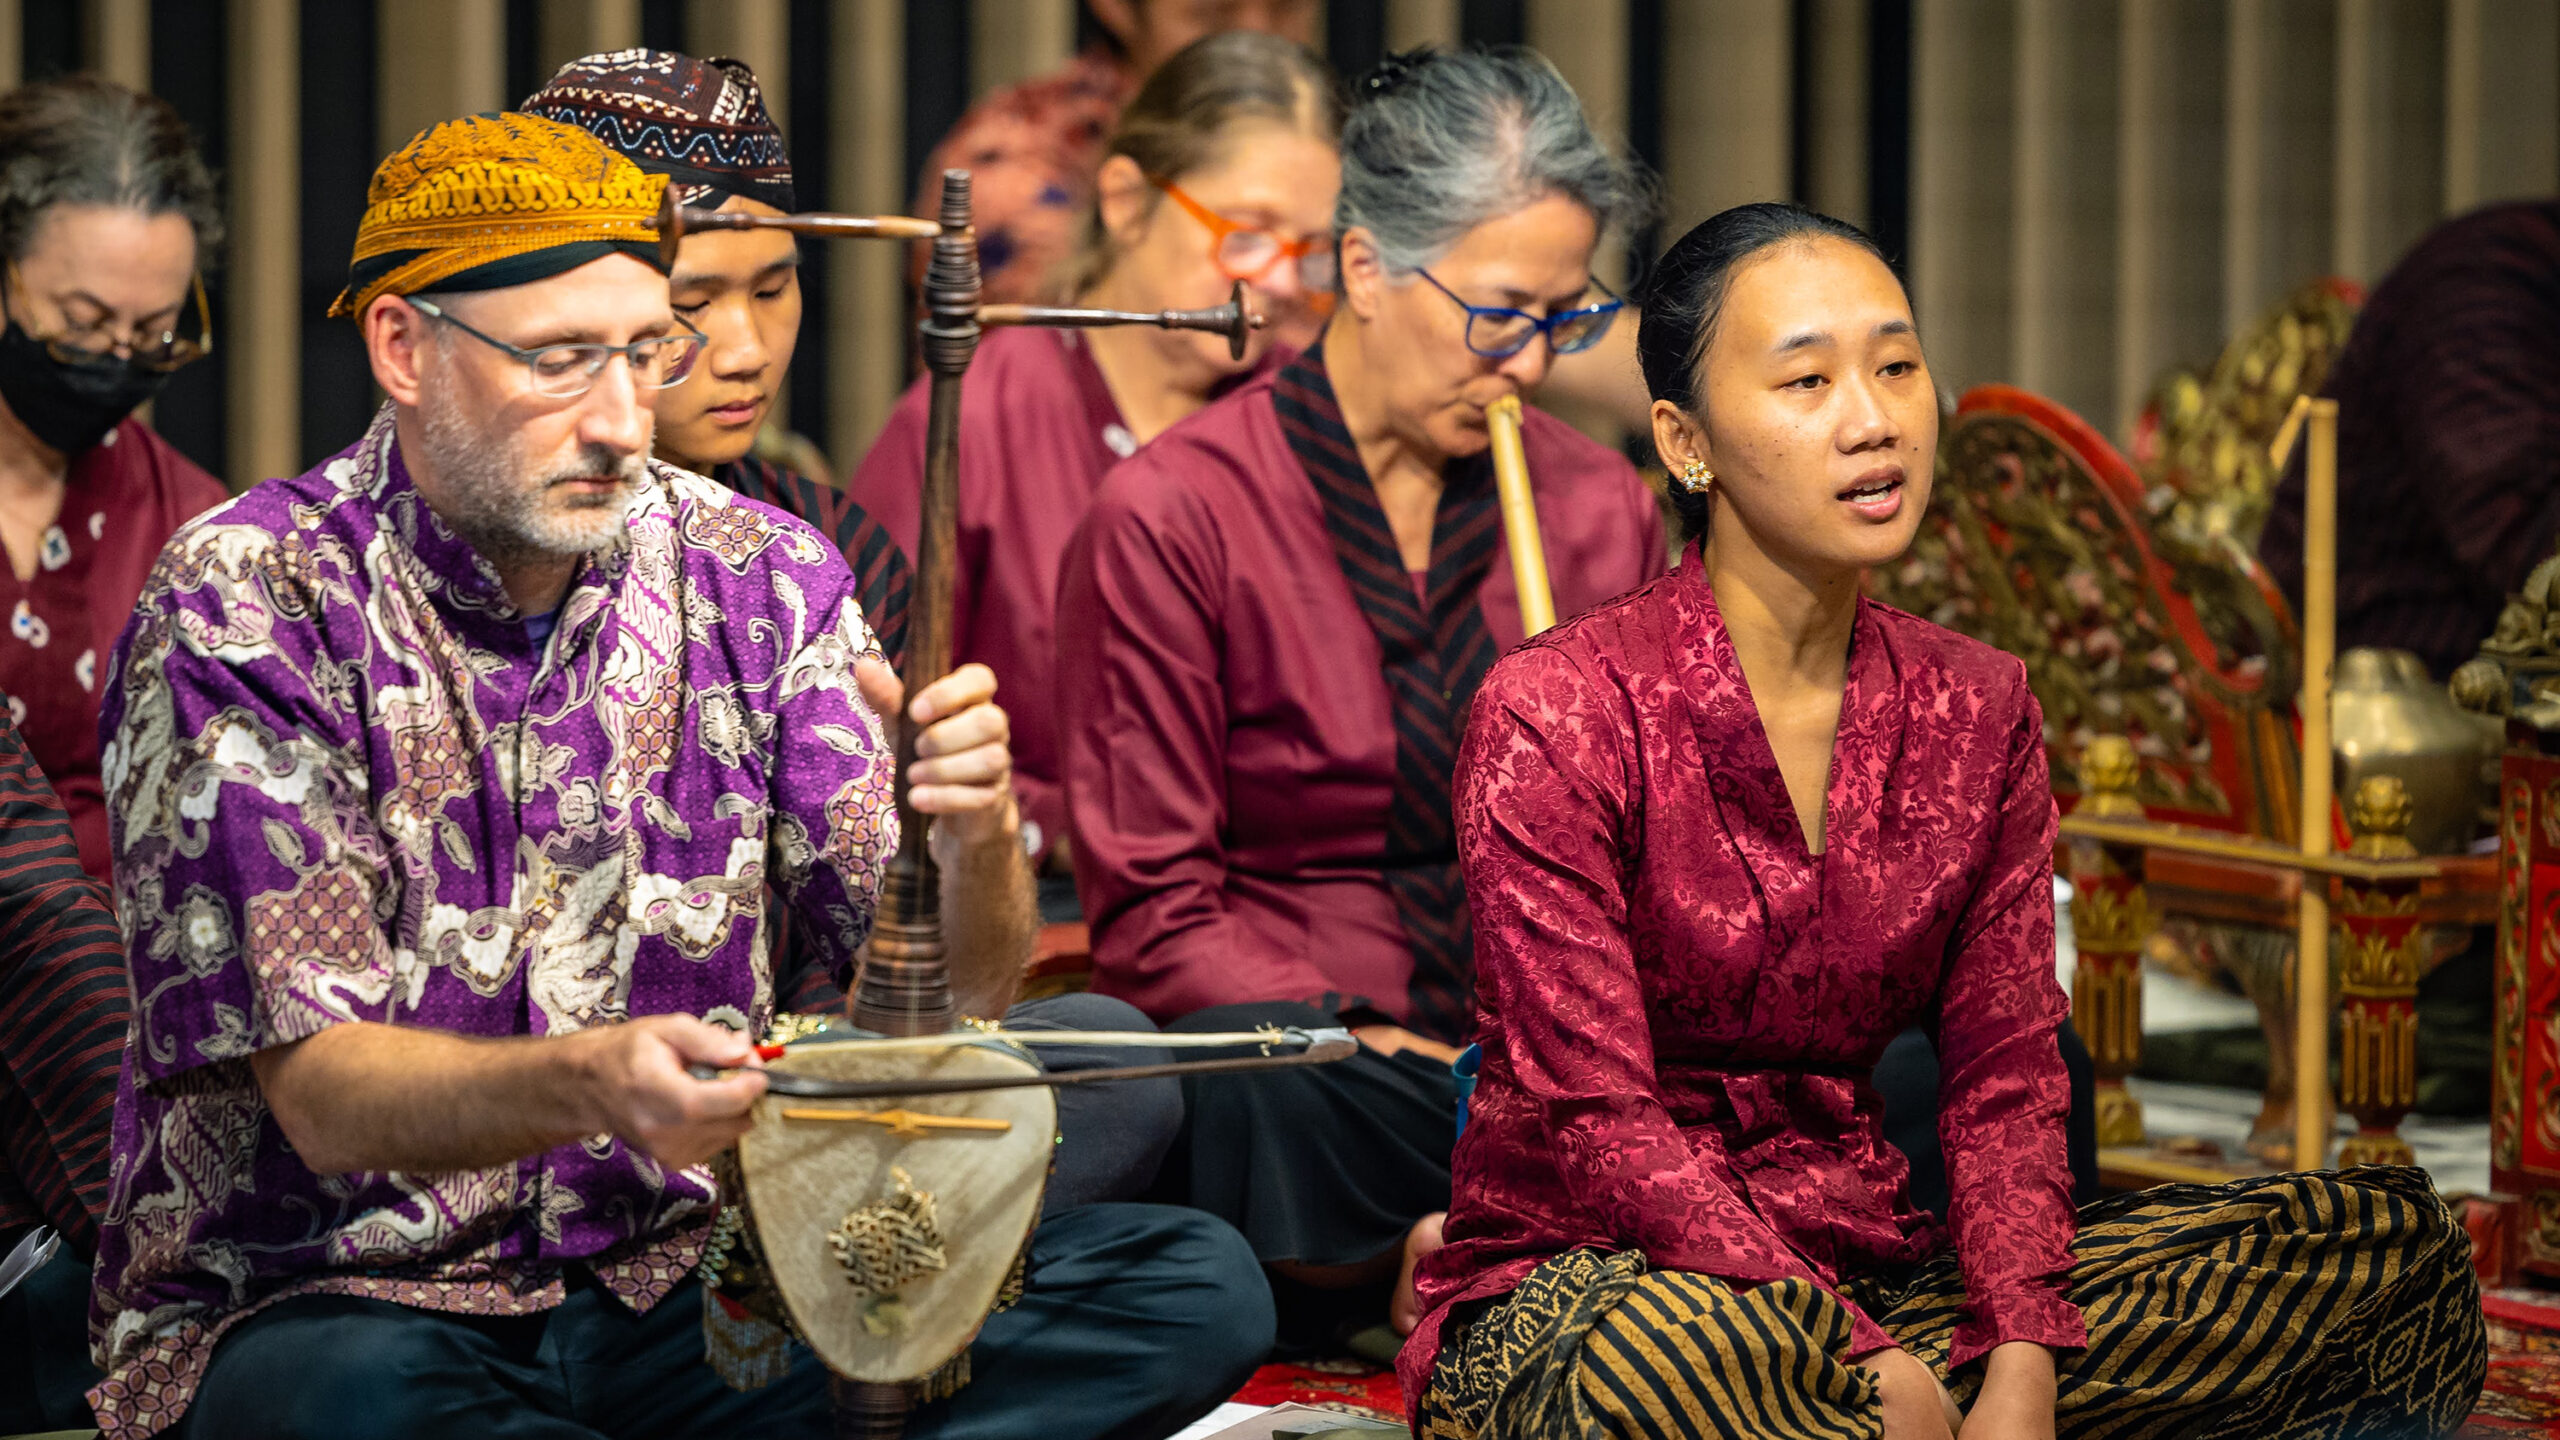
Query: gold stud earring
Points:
[1696, 478]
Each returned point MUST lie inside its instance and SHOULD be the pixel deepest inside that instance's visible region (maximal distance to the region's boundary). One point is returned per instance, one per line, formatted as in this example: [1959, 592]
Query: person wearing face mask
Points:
[1723, 839]
[106, 215]
[1223, 169]
[1270, 624]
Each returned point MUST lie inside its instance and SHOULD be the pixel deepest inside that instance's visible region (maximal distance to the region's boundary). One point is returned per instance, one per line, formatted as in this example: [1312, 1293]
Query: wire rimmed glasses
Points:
[1498, 332]
[160, 353]
[564, 372]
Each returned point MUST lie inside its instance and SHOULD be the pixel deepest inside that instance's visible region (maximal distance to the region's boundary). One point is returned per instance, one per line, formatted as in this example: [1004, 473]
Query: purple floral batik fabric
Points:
[346, 784]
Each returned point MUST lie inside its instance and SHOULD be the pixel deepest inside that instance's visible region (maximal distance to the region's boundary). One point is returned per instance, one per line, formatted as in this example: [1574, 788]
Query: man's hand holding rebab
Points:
[964, 760]
[963, 777]
[364, 1096]
[642, 1076]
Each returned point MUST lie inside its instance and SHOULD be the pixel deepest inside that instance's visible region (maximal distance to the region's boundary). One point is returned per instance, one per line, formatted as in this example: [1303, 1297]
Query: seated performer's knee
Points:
[1205, 1285]
[1252, 1014]
[332, 1367]
[1112, 1138]
[1078, 1010]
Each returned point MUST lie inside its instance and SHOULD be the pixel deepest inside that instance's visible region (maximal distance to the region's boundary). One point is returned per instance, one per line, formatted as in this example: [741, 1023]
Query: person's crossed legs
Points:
[1134, 1320]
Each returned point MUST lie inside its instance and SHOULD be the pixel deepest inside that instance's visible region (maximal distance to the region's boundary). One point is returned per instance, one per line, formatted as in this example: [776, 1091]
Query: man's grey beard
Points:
[506, 515]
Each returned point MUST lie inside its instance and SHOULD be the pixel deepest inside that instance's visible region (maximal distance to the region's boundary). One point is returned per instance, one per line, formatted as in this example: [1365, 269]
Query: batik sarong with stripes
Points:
[2282, 1308]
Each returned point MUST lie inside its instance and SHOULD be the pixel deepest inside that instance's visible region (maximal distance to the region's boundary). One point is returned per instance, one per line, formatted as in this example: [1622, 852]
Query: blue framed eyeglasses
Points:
[1498, 331]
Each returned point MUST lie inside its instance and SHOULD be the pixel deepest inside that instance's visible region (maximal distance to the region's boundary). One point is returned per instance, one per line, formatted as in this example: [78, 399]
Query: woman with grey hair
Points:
[1270, 625]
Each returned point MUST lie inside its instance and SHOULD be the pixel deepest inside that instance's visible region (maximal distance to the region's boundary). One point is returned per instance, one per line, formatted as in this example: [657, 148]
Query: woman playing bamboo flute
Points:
[1269, 626]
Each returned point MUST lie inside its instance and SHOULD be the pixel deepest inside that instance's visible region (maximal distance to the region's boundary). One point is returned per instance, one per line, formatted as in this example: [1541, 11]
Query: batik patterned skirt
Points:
[2282, 1308]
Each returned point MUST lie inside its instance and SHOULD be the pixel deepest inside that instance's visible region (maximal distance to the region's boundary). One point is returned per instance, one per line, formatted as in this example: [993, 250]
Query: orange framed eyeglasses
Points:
[1247, 252]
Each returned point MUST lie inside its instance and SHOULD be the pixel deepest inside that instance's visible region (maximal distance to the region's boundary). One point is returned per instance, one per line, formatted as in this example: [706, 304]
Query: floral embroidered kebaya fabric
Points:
[347, 785]
[1680, 1006]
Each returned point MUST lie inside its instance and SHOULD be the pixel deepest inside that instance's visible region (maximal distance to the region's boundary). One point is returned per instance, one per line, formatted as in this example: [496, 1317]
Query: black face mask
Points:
[69, 407]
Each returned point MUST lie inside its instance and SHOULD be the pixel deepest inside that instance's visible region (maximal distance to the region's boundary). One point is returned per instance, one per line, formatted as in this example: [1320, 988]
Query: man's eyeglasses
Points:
[1499, 331]
[1246, 252]
[566, 371]
[162, 352]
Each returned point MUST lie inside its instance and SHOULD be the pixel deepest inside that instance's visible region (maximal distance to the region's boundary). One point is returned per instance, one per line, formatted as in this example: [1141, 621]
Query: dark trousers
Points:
[1907, 1081]
[1112, 1137]
[1328, 1165]
[1135, 1320]
[44, 1347]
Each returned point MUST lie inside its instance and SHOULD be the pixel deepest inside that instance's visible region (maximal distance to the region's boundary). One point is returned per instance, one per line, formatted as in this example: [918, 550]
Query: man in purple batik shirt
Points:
[450, 782]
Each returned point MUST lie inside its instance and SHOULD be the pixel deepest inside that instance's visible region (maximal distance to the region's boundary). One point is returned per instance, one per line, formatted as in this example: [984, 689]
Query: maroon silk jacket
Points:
[1680, 1007]
[1229, 745]
[1039, 429]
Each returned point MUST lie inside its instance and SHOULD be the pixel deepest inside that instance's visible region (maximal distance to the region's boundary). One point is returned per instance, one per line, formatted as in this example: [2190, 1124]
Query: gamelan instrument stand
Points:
[925, 1268]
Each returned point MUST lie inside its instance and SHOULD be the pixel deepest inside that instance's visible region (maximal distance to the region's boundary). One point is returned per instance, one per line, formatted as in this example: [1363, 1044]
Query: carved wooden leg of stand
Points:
[2379, 948]
[2110, 925]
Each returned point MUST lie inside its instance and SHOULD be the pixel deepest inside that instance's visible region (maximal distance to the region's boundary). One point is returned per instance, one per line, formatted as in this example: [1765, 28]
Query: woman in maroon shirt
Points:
[1269, 625]
[1727, 836]
[105, 212]
[1222, 169]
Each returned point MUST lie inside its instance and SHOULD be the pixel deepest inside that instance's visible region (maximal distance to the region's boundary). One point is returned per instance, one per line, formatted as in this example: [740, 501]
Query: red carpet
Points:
[2523, 1397]
[1354, 1386]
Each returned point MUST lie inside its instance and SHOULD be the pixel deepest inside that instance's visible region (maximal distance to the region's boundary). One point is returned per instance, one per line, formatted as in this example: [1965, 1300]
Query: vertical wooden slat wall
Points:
[2279, 119]
[867, 305]
[1413, 23]
[567, 29]
[2098, 188]
[756, 31]
[265, 324]
[1587, 40]
[1725, 106]
[1835, 164]
[2062, 250]
[2168, 196]
[2389, 155]
[1963, 203]
[1013, 40]
[2502, 101]
[119, 41]
[438, 62]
